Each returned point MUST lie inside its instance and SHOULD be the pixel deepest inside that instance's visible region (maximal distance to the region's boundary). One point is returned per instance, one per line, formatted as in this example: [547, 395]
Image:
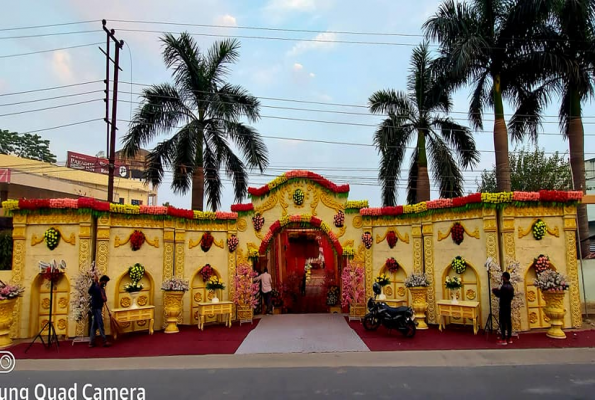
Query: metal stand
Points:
[490, 327]
[52, 337]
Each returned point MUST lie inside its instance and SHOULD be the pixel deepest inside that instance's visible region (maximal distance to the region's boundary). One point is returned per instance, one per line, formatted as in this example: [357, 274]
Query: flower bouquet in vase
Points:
[418, 287]
[245, 292]
[8, 298]
[213, 285]
[133, 289]
[383, 280]
[453, 284]
[553, 286]
[173, 293]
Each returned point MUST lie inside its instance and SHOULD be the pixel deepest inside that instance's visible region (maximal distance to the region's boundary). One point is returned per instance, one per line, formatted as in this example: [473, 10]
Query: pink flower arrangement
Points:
[295, 218]
[297, 174]
[352, 279]
[575, 195]
[64, 203]
[232, 243]
[541, 264]
[367, 239]
[206, 272]
[226, 215]
[153, 210]
[245, 288]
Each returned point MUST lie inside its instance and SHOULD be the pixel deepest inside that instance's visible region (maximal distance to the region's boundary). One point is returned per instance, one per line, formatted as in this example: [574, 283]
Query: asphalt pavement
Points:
[491, 382]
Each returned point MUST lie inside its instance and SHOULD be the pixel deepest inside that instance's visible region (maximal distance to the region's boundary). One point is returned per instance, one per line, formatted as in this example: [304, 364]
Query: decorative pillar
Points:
[507, 229]
[85, 225]
[102, 253]
[168, 248]
[572, 265]
[19, 223]
[369, 271]
[180, 241]
[427, 260]
[232, 229]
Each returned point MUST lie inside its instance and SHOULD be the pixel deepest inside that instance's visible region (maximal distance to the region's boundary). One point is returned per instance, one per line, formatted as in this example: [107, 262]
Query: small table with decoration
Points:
[460, 309]
[144, 313]
[210, 309]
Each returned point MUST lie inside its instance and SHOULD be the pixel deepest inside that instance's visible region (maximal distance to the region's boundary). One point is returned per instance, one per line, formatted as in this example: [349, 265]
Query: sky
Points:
[274, 64]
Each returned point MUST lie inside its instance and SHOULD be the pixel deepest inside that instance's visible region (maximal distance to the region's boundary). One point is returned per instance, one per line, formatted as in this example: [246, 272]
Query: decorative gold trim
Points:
[358, 222]
[474, 234]
[402, 238]
[219, 243]
[118, 242]
[267, 205]
[331, 203]
[350, 243]
[342, 231]
[35, 240]
[522, 232]
[242, 225]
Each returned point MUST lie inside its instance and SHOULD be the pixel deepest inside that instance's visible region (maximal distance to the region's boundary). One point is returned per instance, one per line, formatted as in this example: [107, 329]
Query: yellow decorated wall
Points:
[424, 245]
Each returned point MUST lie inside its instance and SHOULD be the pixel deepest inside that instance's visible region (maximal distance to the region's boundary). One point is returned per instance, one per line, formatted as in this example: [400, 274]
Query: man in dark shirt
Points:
[505, 293]
[98, 299]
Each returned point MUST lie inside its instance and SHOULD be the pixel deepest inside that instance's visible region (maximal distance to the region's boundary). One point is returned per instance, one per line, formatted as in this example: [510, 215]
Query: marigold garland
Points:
[459, 265]
[539, 229]
[298, 197]
[52, 238]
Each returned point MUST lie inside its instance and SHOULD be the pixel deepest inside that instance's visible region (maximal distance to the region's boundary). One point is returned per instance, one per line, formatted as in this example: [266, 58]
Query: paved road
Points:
[575, 381]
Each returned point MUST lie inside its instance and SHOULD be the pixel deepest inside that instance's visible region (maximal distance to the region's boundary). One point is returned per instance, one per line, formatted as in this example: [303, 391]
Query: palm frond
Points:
[389, 101]
[184, 157]
[220, 54]
[461, 139]
[183, 55]
[479, 98]
[162, 109]
[158, 160]
[250, 143]
[445, 170]
[230, 102]
[213, 185]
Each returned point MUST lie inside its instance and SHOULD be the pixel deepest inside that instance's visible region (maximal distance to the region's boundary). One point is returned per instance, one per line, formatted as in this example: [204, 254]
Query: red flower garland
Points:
[391, 264]
[206, 241]
[319, 179]
[242, 207]
[206, 272]
[136, 240]
[391, 239]
[458, 233]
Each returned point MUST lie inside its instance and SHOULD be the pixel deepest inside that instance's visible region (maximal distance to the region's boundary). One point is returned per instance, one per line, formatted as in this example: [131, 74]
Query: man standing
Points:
[98, 299]
[505, 293]
[267, 288]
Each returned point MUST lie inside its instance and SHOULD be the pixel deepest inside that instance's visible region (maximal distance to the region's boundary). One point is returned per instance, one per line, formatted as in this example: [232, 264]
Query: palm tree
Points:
[485, 43]
[420, 112]
[204, 111]
[569, 46]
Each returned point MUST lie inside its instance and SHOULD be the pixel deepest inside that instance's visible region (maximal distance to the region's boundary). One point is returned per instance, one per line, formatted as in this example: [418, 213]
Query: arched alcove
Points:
[469, 291]
[535, 301]
[200, 294]
[145, 298]
[396, 290]
[40, 305]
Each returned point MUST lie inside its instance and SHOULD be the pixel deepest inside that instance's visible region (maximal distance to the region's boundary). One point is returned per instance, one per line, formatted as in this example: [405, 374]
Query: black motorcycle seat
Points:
[395, 311]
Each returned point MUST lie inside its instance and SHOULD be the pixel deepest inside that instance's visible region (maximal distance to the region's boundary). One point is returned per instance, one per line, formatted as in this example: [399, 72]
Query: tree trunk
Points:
[576, 143]
[423, 180]
[198, 189]
[500, 140]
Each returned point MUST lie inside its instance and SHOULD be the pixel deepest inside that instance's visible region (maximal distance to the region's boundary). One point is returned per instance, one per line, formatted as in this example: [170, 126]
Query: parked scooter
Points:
[380, 313]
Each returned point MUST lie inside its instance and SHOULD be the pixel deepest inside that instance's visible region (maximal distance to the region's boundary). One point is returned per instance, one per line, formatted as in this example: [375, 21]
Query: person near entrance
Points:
[266, 280]
[98, 299]
[505, 293]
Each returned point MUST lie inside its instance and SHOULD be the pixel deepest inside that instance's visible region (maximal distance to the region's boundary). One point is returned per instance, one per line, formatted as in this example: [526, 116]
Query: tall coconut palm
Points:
[569, 48]
[419, 115]
[204, 113]
[483, 43]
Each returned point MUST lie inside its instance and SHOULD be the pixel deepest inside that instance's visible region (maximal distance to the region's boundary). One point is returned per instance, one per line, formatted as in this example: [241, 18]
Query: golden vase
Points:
[172, 303]
[245, 313]
[554, 309]
[6, 309]
[419, 305]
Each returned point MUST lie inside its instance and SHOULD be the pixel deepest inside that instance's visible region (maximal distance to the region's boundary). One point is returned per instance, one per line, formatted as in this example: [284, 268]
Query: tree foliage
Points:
[204, 113]
[531, 171]
[419, 115]
[26, 145]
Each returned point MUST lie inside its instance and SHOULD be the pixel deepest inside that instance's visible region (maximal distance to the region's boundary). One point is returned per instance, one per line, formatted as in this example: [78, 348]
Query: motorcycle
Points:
[380, 313]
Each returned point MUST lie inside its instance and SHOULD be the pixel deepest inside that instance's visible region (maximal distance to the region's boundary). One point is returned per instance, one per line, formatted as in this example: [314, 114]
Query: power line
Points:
[49, 50]
[50, 88]
[48, 26]
[338, 142]
[50, 98]
[50, 108]
[267, 29]
[61, 126]
[49, 34]
[282, 99]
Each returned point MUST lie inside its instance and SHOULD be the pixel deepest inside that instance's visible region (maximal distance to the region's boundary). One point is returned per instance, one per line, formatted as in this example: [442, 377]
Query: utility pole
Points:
[111, 125]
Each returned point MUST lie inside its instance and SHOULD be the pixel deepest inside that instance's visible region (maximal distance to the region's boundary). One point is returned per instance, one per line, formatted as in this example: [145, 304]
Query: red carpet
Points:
[215, 339]
[462, 338]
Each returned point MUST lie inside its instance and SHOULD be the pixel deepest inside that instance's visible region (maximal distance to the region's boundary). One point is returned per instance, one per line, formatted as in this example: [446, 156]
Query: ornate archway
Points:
[200, 294]
[469, 291]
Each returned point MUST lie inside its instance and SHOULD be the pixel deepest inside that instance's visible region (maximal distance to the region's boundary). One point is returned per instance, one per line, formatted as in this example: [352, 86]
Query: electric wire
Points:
[48, 50]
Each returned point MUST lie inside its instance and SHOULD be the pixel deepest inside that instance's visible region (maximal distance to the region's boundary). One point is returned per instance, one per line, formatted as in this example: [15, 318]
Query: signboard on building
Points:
[94, 164]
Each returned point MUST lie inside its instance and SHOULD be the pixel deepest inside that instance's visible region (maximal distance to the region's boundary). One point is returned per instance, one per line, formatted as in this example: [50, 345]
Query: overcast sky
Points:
[287, 69]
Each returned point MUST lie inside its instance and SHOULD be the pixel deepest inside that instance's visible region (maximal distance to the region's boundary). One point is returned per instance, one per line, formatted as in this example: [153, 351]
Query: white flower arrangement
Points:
[80, 305]
[516, 280]
[551, 281]
[416, 280]
[175, 284]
